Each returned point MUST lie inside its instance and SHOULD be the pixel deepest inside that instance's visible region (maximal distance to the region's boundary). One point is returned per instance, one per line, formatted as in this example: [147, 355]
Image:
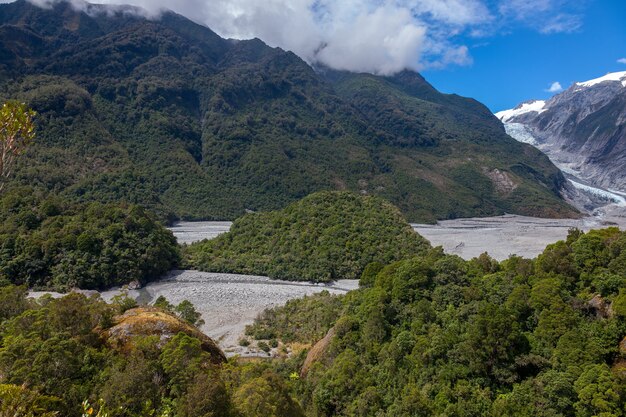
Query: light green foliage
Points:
[161, 302]
[56, 349]
[12, 301]
[17, 131]
[323, 237]
[599, 393]
[186, 311]
[266, 396]
[300, 320]
[19, 401]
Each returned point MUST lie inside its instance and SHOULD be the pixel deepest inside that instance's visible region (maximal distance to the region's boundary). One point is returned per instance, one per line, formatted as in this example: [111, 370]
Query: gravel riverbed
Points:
[229, 302]
[500, 236]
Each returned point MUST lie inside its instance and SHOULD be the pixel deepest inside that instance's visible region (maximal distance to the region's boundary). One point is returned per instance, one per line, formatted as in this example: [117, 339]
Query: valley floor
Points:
[500, 236]
[229, 302]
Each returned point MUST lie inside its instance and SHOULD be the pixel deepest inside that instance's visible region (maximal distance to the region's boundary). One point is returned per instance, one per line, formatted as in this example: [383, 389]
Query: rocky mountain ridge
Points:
[582, 129]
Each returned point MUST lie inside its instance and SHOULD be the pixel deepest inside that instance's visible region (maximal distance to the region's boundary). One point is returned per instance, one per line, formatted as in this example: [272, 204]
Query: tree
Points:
[20, 401]
[17, 131]
[187, 312]
[161, 302]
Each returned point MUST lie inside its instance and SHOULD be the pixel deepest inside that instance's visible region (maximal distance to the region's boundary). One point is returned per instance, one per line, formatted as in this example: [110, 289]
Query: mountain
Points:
[165, 113]
[582, 128]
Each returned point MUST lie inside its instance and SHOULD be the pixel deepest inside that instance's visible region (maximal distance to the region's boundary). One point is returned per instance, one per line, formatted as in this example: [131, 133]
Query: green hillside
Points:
[323, 237]
[166, 114]
[64, 357]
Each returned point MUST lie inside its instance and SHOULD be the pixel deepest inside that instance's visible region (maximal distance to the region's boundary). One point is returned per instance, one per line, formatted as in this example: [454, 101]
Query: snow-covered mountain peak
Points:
[584, 125]
[613, 76]
[538, 106]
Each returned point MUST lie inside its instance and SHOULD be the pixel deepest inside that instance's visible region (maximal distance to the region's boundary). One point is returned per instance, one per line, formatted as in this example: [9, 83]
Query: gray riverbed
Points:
[500, 236]
[228, 302]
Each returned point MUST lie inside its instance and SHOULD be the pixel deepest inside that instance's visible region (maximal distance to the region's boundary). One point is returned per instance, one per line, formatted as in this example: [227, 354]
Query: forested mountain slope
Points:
[167, 114]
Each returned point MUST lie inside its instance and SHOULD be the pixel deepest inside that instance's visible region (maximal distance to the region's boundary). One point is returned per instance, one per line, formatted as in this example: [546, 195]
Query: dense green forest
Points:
[166, 114]
[48, 242]
[56, 360]
[326, 236]
[439, 336]
[430, 335]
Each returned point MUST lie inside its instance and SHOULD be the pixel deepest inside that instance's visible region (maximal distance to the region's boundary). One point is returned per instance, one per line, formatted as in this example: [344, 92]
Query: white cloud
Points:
[555, 87]
[378, 36]
[622, 61]
[562, 23]
[545, 16]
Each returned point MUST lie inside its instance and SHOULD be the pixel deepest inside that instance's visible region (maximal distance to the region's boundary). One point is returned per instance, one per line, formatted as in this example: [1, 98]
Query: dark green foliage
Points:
[187, 312]
[439, 336]
[49, 242]
[53, 356]
[324, 237]
[166, 114]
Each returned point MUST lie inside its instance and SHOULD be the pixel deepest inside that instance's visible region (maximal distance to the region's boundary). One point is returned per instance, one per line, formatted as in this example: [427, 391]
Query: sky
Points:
[501, 52]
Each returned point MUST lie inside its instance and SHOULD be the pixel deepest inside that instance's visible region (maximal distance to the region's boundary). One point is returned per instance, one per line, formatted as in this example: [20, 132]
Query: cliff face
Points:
[584, 128]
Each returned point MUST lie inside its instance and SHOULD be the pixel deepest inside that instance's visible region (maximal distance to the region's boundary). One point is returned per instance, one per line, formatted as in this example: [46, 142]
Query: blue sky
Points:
[521, 63]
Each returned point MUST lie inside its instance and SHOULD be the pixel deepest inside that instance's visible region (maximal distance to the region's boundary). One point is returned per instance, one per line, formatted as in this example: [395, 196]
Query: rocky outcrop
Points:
[150, 321]
[317, 352]
[602, 309]
[502, 181]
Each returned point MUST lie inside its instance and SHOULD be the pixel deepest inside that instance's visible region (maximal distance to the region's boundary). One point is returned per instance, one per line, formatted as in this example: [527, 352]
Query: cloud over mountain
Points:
[555, 87]
[376, 36]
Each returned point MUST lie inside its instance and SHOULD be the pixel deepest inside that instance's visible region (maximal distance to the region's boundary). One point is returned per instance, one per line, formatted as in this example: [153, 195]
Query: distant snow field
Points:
[520, 132]
[607, 195]
[613, 76]
[530, 106]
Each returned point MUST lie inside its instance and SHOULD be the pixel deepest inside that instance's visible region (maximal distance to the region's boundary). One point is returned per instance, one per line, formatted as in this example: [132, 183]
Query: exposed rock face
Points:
[317, 351]
[584, 127]
[602, 308]
[150, 321]
[501, 181]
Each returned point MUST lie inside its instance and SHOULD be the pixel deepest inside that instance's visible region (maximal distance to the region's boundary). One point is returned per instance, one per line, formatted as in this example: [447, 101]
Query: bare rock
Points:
[601, 307]
[151, 321]
[317, 351]
[501, 180]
